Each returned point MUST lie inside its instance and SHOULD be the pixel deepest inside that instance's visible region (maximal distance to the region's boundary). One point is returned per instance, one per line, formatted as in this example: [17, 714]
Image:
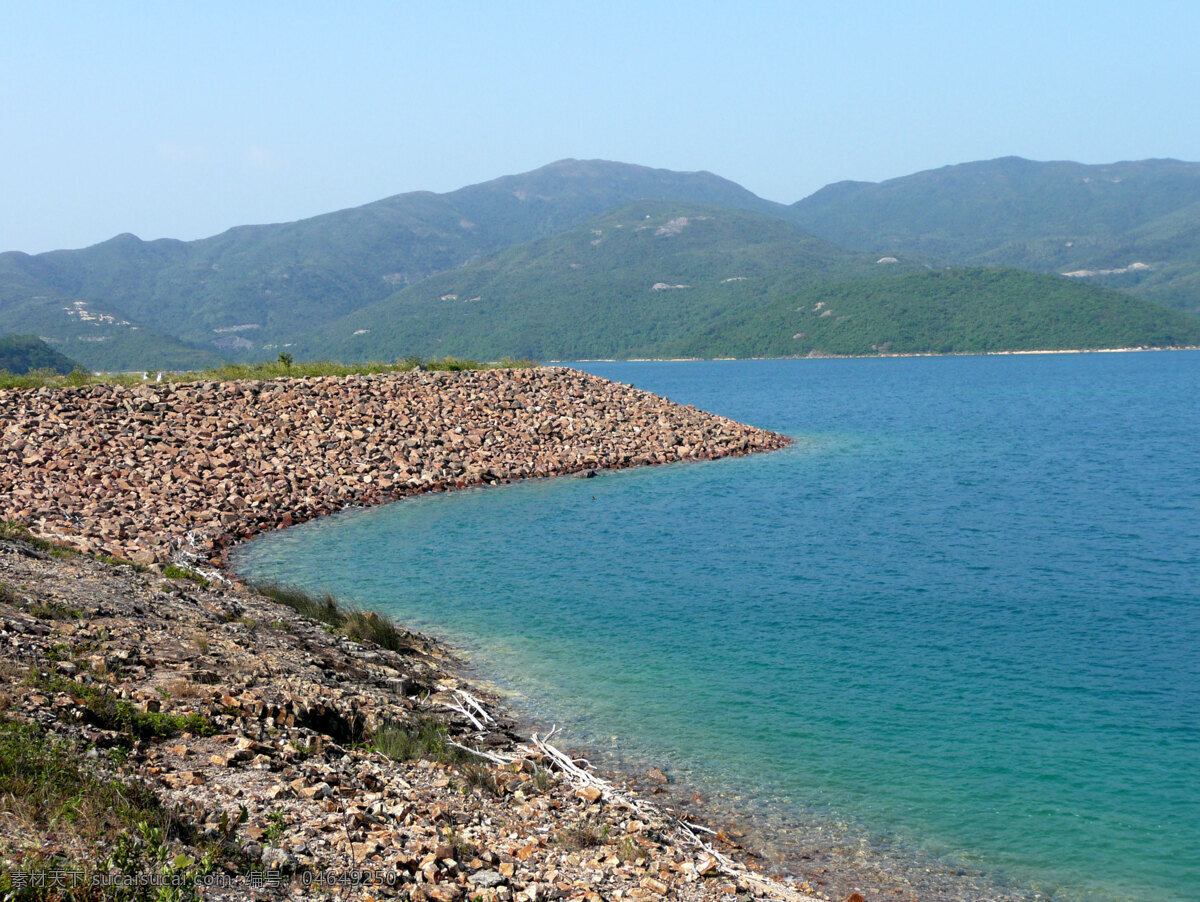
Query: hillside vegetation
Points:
[661, 279]
[649, 279]
[1133, 226]
[600, 259]
[253, 290]
[19, 354]
[976, 310]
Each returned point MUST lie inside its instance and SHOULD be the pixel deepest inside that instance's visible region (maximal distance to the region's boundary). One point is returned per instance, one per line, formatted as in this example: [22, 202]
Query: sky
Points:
[183, 120]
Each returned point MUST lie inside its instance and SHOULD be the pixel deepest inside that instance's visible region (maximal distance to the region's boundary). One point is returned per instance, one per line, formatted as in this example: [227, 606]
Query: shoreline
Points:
[817, 853]
[115, 474]
[158, 471]
[724, 437]
[234, 702]
[825, 858]
[825, 356]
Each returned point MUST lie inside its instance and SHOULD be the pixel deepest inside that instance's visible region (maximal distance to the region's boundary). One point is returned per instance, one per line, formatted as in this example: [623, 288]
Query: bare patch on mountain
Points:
[1085, 273]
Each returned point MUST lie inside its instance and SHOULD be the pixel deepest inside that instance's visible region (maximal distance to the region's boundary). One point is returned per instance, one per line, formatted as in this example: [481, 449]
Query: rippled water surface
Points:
[960, 612]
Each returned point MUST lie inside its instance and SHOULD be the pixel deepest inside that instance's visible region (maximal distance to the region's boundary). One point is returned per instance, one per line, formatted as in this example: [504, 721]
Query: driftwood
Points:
[578, 776]
[469, 707]
[189, 553]
[577, 772]
[487, 756]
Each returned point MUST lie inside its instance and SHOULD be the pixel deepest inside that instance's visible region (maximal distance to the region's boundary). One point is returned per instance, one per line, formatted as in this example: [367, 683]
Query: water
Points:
[960, 613]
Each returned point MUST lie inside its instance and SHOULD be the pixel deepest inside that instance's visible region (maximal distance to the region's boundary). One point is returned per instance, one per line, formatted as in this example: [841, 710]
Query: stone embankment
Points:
[138, 472]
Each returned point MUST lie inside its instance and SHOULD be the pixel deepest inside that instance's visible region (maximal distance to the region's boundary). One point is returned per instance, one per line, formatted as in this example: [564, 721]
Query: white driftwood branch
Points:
[194, 559]
[460, 709]
[470, 701]
[577, 776]
[487, 756]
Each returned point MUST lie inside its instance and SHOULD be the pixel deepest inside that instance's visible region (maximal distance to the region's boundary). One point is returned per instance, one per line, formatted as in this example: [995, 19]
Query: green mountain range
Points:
[564, 262]
[1131, 226]
[253, 289]
[662, 279]
[648, 279]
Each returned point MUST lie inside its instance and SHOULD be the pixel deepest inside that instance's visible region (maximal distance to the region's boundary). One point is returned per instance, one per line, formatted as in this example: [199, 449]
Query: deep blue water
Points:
[961, 612]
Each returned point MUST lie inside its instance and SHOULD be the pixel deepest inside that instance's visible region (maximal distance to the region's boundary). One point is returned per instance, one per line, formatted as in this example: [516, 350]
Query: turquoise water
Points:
[961, 612]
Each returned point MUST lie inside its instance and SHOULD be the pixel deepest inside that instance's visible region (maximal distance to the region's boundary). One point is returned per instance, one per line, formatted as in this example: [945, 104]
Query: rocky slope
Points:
[261, 733]
[140, 473]
[249, 747]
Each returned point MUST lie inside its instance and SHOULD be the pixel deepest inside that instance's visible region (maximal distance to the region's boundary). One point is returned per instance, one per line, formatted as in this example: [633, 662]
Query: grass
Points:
[175, 571]
[16, 530]
[53, 611]
[425, 738]
[108, 712]
[583, 835]
[463, 850]
[277, 369]
[181, 687]
[479, 775]
[325, 608]
[629, 851]
[367, 626]
[87, 824]
[120, 562]
[362, 626]
[41, 778]
[276, 827]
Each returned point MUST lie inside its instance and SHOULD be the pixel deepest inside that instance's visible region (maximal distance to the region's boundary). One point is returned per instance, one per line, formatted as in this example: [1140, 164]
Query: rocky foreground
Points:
[208, 735]
[140, 472]
[263, 738]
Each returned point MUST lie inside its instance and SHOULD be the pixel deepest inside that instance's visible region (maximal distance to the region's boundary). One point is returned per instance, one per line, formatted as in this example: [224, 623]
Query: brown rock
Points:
[655, 885]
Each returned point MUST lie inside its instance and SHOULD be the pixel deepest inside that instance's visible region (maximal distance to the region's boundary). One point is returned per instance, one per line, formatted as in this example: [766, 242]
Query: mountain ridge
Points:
[253, 290]
[1057, 216]
[281, 278]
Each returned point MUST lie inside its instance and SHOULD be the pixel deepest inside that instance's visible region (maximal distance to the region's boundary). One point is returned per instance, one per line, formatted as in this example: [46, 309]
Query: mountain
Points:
[564, 261]
[1133, 226]
[95, 333]
[662, 279]
[19, 354]
[647, 279]
[954, 311]
[252, 289]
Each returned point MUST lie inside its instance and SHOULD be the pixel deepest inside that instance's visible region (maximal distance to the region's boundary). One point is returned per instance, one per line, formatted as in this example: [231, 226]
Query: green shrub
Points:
[282, 367]
[453, 364]
[53, 611]
[48, 792]
[324, 609]
[371, 627]
[362, 626]
[583, 835]
[108, 712]
[480, 775]
[174, 571]
[426, 737]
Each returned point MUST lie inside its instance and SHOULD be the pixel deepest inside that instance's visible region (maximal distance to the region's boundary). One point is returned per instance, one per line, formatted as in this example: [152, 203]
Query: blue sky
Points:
[174, 120]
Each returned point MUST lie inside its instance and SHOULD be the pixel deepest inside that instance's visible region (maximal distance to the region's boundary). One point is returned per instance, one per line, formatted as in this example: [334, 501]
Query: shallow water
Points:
[959, 613]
